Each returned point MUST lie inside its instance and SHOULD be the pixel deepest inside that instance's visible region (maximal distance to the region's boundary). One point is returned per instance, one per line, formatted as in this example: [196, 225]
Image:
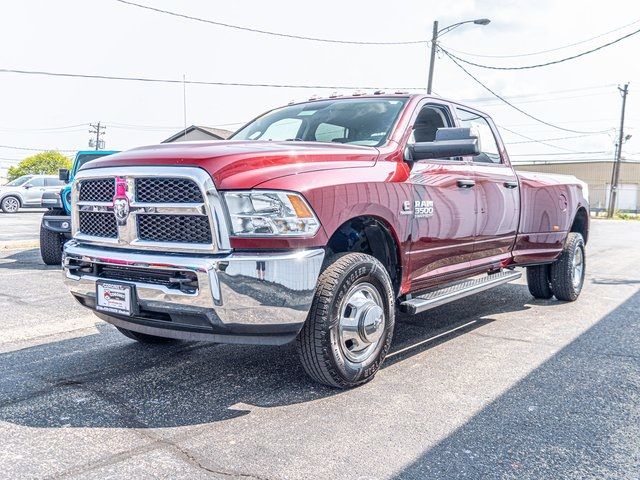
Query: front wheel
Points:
[10, 204]
[567, 273]
[51, 243]
[350, 325]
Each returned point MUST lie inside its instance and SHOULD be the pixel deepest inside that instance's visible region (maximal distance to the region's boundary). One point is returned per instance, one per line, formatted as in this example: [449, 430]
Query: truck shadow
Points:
[107, 381]
[573, 416]
[25, 260]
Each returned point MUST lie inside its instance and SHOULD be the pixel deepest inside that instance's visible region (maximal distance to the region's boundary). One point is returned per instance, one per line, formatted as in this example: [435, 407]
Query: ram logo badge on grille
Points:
[121, 202]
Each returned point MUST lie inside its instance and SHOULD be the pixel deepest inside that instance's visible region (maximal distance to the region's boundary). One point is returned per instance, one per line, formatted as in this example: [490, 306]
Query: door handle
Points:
[511, 184]
[466, 183]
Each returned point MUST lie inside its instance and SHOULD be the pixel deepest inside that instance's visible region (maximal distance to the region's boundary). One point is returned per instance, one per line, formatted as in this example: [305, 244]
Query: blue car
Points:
[55, 228]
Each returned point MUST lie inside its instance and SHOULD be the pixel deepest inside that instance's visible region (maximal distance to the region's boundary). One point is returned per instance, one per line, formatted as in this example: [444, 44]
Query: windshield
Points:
[83, 158]
[19, 181]
[357, 121]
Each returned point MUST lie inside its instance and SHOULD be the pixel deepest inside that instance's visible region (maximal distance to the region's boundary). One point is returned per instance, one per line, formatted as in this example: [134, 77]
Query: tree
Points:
[46, 163]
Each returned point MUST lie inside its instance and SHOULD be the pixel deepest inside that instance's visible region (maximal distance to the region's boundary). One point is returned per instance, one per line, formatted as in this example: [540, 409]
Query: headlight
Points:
[270, 213]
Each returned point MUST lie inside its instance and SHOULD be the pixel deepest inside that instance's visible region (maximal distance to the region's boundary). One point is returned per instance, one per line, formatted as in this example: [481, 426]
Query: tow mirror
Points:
[63, 174]
[449, 142]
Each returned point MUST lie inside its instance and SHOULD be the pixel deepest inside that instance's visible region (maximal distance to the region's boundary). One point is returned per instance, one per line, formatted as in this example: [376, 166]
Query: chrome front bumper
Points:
[249, 297]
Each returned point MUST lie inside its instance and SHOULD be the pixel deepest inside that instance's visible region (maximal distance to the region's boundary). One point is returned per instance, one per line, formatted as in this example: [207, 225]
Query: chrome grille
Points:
[167, 190]
[98, 190]
[174, 228]
[175, 209]
[98, 224]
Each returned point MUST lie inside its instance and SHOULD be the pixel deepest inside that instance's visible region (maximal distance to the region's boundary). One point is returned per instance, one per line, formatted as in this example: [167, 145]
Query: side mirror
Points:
[63, 174]
[449, 142]
[27, 186]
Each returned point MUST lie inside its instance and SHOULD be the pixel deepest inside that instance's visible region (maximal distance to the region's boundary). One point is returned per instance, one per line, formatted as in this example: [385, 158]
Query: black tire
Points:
[8, 202]
[566, 280]
[144, 337]
[319, 343]
[539, 281]
[51, 243]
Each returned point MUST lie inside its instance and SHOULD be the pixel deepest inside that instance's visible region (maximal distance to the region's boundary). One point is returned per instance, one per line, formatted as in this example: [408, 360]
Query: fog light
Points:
[65, 224]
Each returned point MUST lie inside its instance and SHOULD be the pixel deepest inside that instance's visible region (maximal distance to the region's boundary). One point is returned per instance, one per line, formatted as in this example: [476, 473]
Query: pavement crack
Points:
[509, 339]
[198, 464]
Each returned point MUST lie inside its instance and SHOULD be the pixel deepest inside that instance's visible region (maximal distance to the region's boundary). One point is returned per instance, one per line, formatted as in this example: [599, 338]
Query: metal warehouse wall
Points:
[598, 176]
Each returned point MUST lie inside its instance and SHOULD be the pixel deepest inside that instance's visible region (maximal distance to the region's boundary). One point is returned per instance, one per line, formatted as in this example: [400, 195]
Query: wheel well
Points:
[581, 223]
[372, 236]
[17, 197]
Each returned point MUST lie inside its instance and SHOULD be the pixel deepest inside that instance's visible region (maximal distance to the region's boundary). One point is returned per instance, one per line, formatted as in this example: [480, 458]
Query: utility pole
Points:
[615, 175]
[434, 40]
[97, 129]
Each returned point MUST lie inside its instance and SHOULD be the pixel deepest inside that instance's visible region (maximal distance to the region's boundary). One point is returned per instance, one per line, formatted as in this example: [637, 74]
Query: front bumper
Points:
[248, 297]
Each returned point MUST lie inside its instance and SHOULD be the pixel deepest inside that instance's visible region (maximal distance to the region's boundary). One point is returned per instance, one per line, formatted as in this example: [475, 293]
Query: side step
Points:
[457, 291]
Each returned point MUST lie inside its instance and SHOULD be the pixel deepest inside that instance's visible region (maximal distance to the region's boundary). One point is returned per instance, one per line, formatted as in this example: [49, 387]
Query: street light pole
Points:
[434, 42]
[434, 39]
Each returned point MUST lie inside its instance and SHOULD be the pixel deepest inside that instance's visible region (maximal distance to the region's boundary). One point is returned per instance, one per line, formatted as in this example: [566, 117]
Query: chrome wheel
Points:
[361, 323]
[10, 205]
[578, 268]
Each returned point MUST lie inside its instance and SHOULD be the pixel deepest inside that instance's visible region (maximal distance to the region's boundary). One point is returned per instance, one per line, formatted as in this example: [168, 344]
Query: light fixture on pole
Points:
[434, 40]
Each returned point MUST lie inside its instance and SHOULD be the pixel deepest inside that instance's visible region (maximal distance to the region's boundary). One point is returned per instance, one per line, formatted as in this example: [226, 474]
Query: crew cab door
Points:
[496, 189]
[443, 204]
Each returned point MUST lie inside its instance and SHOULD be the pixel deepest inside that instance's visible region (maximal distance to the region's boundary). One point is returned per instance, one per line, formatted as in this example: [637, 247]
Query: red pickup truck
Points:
[317, 222]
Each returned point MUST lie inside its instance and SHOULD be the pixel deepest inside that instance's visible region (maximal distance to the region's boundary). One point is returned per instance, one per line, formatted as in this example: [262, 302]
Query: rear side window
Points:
[490, 151]
[53, 182]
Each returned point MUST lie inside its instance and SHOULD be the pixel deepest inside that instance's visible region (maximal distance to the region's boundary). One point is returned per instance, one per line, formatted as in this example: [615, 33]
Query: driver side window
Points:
[490, 151]
[429, 120]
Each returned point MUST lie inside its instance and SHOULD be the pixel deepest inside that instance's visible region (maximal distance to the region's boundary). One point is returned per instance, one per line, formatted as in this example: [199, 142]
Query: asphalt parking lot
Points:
[498, 385]
[20, 229]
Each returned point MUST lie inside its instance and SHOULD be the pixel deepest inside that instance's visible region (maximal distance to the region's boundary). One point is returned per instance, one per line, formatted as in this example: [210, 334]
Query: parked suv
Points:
[27, 192]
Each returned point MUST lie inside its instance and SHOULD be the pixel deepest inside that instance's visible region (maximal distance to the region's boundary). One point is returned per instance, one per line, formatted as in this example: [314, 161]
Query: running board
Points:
[457, 291]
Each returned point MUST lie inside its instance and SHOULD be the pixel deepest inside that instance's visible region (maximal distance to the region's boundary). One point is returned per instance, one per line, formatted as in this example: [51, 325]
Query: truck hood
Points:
[245, 164]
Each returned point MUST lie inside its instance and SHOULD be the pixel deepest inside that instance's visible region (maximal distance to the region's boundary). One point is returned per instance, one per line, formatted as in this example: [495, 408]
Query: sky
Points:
[107, 37]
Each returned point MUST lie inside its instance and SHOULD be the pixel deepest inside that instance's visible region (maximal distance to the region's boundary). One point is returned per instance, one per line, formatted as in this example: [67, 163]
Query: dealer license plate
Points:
[115, 298]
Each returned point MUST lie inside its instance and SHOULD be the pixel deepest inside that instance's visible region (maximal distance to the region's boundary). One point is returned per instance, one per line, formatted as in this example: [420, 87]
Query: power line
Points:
[511, 104]
[551, 99]
[46, 129]
[553, 62]
[198, 82]
[550, 139]
[542, 142]
[267, 32]
[545, 51]
[12, 147]
[551, 92]
[556, 153]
